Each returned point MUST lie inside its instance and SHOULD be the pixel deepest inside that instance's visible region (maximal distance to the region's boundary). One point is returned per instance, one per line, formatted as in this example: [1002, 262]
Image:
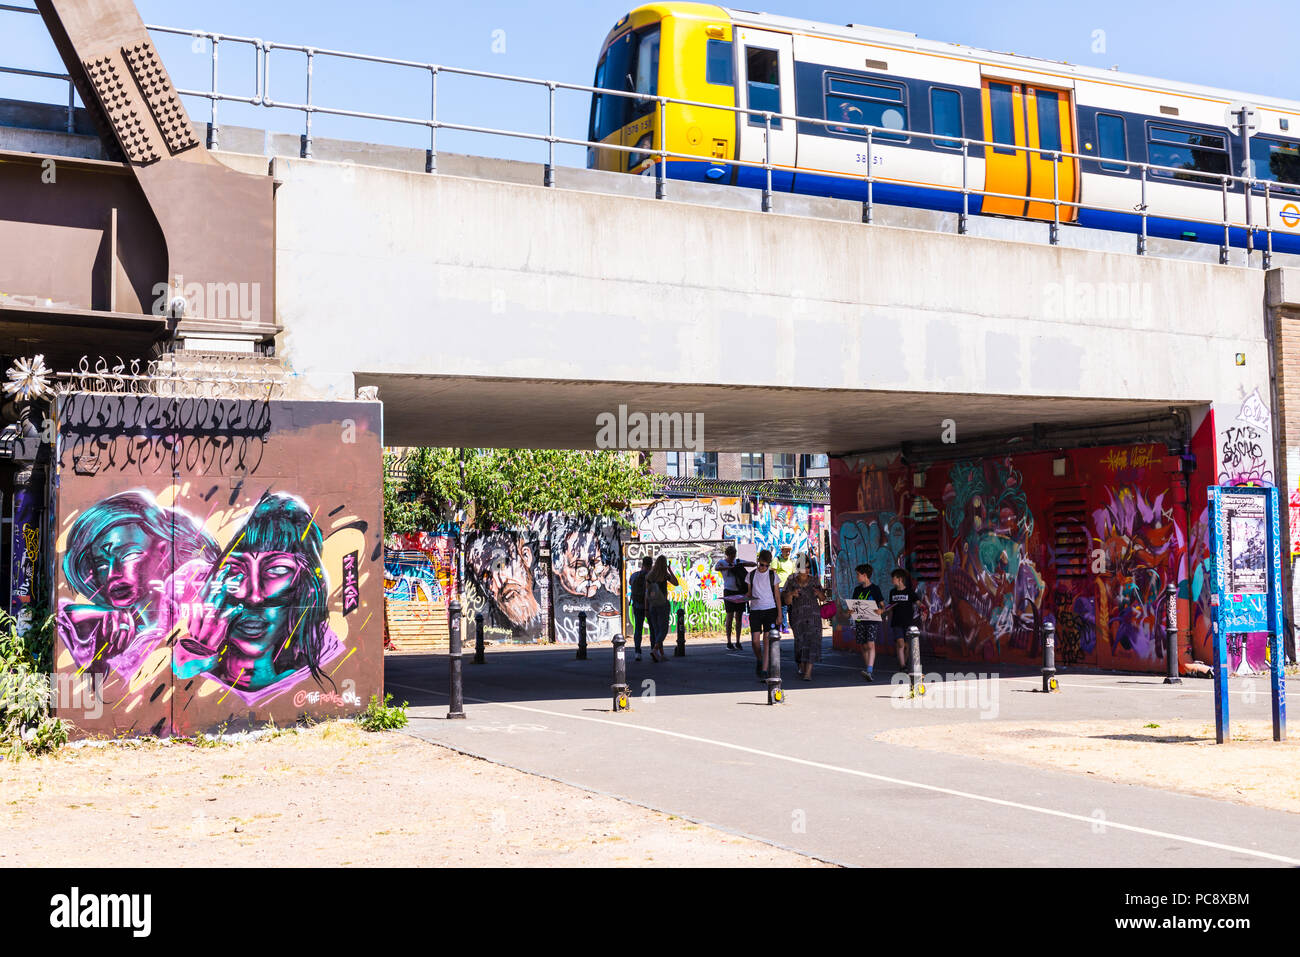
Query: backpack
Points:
[741, 577]
[638, 588]
[656, 594]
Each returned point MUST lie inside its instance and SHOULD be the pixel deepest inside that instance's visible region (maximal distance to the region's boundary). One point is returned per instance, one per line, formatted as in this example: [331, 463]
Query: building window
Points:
[674, 467]
[813, 463]
[783, 464]
[751, 465]
[706, 465]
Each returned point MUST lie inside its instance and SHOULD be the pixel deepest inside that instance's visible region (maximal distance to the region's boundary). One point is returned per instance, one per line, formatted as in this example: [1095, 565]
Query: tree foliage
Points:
[506, 487]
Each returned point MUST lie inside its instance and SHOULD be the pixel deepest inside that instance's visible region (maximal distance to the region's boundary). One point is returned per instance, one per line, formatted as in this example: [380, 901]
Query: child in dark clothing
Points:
[867, 631]
[901, 608]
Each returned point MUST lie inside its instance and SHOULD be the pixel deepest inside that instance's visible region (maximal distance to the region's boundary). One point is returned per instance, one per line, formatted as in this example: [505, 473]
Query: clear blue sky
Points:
[1245, 47]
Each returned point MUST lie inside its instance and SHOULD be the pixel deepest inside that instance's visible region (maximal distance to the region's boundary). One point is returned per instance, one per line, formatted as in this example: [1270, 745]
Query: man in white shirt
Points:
[764, 605]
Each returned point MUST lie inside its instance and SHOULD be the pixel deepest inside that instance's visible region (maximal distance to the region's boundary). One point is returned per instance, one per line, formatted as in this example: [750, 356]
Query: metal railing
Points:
[659, 156]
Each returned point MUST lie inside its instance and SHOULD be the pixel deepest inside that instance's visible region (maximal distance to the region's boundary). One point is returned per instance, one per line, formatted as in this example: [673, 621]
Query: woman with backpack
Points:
[734, 588]
[657, 581]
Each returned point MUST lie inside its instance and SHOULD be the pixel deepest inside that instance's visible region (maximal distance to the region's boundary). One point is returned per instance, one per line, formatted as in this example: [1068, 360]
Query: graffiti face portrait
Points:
[503, 564]
[585, 564]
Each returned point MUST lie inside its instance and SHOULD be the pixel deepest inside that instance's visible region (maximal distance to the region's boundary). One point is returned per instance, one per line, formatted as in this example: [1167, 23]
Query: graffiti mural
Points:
[585, 577]
[699, 592]
[685, 519]
[421, 567]
[25, 551]
[1245, 446]
[202, 601]
[506, 581]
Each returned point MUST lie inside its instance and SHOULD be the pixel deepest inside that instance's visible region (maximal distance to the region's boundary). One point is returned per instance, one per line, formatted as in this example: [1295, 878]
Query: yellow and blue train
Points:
[903, 85]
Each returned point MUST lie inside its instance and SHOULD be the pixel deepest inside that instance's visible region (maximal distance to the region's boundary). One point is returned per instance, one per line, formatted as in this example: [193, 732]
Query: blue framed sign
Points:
[1246, 595]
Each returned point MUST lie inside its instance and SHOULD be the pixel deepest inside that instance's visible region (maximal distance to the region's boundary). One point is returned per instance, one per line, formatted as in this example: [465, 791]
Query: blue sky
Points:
[1218, 44]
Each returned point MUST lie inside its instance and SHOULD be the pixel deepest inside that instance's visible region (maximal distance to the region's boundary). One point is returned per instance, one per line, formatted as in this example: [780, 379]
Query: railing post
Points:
[1054, 236]
[1268, 229]
[266, 73]
[214, 137]
[661, 167]
[965, 188]
[1171, 635]
[582, 636]
[549, 178]
[457, 707]
[1227, 236]
[431, 156]
[306, 138]
[619, 687]
[869, 208]
[478, 640]
[767, 162]
[72, 106]
[1142, 205]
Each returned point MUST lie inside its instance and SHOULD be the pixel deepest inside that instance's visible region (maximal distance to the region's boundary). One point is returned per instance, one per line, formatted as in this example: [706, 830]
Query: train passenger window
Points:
[1190, 152]
[945, 116]
[1049, 120]
[763, 83]
[1111, 141]
[647, 63]
[858, 102]
[1275, 160]
[719, 67]
[1000, 106]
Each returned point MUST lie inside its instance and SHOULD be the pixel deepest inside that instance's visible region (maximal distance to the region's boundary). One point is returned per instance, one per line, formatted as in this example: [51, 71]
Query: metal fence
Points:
[262, 60]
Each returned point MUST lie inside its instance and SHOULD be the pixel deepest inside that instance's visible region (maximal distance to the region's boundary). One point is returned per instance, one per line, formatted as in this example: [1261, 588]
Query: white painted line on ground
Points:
[1149, 688]
[968, 795]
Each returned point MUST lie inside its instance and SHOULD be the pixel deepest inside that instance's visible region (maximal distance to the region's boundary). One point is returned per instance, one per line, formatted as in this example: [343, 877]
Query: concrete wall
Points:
[383, 271]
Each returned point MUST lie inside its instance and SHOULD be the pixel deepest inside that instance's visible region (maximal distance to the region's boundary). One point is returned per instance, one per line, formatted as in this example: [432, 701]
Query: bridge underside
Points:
[550, 413]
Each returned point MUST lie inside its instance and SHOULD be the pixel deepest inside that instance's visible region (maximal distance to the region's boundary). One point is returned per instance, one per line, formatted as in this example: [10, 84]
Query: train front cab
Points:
[680, 50]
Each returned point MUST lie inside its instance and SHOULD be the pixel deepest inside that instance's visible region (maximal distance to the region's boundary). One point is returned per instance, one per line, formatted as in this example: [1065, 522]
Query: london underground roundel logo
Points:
[1290, 215]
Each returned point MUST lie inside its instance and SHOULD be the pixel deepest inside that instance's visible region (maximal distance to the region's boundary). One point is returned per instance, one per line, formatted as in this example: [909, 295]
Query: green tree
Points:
[505, 487]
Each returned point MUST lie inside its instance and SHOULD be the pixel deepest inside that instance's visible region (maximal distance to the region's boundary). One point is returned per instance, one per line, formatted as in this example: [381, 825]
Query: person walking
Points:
[902, 612]
[657, 581]
[764, 597]
[867, 630]
[636, 594]
[734, 587]
[804, 595]
[784, 566]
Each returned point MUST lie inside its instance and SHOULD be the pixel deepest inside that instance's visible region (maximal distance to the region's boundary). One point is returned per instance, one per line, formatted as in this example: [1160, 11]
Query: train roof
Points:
[903, 40]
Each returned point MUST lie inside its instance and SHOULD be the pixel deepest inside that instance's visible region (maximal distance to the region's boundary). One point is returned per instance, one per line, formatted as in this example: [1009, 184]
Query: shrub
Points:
[26, 726]
[383, 717]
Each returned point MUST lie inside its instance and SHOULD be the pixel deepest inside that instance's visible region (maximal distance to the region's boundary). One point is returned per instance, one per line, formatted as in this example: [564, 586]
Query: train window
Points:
[614, 111]
[1000, 108]
[1049, 121]
[596, 100]
[1275, 160]
[856, 102]
[1111, 141]
[647, 63]
[1191, 152]
[719, 66]
[945, 116]
[763, 83]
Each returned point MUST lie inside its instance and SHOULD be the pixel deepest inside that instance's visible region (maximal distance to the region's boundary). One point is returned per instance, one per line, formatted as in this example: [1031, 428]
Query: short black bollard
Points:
[582, 636]
[680, 651]
[775, 693]
[478, 639]
[620, 674]
[1171, 635]
[457, 709]
[1049, 656]
[915, 680]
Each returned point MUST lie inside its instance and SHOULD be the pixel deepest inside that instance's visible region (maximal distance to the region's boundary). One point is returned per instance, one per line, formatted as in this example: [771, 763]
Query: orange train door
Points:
[1020, 115]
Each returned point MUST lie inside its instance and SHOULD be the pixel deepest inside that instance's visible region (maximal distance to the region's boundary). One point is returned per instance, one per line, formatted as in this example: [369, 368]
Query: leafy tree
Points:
[505, 487]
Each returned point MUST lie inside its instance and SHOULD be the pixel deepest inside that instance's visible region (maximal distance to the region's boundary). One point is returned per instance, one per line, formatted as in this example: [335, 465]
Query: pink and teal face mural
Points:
[209, 570]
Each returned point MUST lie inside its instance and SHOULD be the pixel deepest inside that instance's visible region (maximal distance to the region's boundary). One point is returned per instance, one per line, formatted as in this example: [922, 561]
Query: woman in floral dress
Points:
[804, 594]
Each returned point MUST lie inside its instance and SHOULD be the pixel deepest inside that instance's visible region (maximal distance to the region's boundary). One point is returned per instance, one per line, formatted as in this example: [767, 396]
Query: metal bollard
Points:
[775, 693]
[582, 636]
[1171, 636]
[680, 651]
[478, 639]
[1049, 657]
[457, 709]
[620, 674]
[915, 679]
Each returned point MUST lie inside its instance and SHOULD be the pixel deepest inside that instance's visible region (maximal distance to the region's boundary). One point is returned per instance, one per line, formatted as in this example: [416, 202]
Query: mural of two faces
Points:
[208, 572]
[995, 544]
[519, 593]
